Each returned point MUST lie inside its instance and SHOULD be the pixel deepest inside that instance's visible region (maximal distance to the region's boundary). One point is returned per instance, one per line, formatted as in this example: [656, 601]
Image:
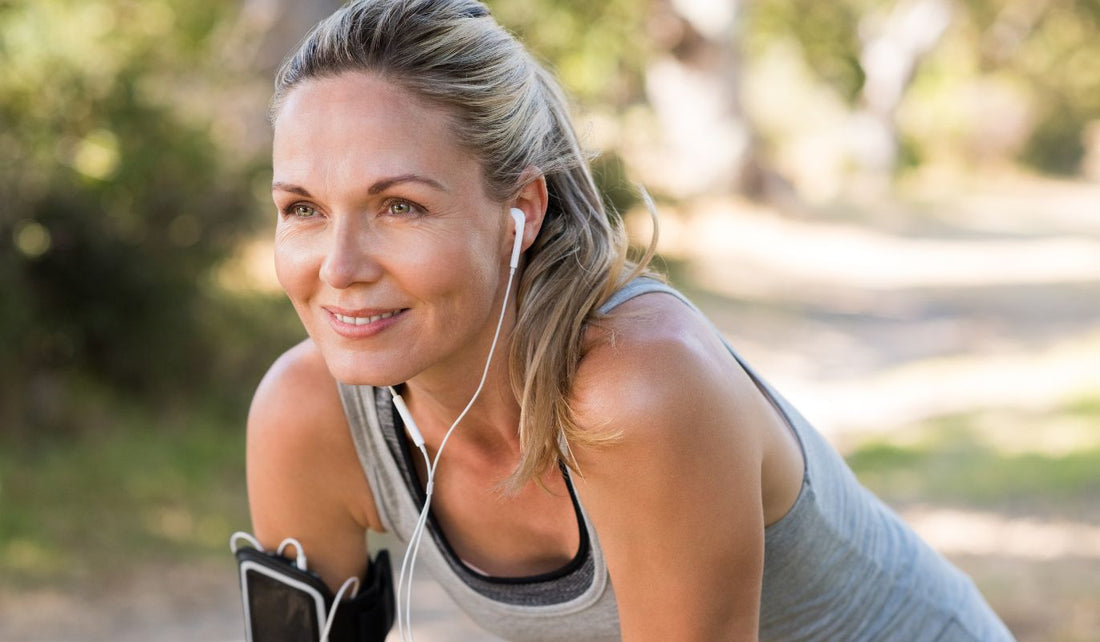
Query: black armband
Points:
[286, 603]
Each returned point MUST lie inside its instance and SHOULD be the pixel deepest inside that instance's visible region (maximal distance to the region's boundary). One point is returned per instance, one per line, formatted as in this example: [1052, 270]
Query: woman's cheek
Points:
[295, 267]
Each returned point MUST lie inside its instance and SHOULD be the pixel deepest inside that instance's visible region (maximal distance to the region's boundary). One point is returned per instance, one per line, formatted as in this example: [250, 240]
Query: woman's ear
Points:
[532, 200]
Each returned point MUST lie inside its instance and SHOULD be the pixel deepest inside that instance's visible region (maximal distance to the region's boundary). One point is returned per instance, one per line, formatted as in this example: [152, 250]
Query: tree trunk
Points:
[694, 88]
[893, 47]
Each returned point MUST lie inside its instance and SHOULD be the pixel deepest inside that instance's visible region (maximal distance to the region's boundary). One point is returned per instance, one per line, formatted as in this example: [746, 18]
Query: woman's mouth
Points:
[358, 324]
[363, 320]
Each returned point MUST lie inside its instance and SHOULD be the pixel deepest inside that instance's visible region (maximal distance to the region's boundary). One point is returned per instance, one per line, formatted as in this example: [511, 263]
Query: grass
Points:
[148, 488]
[962, 460]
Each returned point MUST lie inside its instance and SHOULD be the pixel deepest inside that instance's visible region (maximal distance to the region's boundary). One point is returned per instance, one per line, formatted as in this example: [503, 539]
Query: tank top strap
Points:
[646, 285]
[637, 287]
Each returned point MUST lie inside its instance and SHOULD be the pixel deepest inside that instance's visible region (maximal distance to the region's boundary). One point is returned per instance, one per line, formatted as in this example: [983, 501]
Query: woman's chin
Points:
[349, 370]
[356, 378]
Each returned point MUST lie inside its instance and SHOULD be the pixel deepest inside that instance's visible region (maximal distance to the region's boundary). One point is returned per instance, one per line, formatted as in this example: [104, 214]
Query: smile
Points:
[350, 320]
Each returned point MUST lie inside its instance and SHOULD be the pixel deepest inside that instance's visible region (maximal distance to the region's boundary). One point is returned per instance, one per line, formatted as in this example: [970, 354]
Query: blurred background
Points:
[891, 207]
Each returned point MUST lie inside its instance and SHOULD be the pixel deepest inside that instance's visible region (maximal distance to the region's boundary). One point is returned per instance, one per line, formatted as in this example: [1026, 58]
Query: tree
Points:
[883, 56]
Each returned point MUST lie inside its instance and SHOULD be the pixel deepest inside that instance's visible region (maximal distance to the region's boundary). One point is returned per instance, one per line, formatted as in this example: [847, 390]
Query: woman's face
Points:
[387, 244]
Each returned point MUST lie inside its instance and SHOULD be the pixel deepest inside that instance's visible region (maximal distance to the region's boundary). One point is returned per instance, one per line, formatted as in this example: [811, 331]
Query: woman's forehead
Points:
[361, 122]
[352, 98]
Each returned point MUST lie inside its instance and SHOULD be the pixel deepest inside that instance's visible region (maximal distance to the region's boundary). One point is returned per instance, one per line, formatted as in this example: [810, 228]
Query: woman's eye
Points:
[400, 208]
[301, 210]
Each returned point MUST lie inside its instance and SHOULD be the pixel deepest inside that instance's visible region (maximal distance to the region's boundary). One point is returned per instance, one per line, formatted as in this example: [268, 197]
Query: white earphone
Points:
[404, 583]
[517, 216]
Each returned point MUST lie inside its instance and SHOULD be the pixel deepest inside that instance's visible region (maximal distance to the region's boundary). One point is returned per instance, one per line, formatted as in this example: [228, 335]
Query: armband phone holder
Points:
[286, 602]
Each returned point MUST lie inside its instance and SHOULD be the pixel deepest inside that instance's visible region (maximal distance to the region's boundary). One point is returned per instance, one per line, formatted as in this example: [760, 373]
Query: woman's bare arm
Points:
[676, 501]
[304, 478]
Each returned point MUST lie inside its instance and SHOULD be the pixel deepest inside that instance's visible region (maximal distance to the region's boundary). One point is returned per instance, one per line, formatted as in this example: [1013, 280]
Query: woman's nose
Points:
[349, 258]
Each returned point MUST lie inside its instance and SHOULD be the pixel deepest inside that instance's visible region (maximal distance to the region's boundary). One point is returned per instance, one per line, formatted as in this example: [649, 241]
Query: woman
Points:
[615, 442]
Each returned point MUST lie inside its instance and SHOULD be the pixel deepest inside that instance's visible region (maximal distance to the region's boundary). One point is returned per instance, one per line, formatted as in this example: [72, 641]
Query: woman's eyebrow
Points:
[378, 186]
[289, 187]
[386, 183]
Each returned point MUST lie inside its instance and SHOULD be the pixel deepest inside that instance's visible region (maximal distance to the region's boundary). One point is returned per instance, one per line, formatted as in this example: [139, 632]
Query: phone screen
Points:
[280, 612]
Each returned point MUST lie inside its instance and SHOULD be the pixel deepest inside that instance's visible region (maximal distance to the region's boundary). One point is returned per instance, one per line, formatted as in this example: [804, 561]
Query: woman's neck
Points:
[491, 422]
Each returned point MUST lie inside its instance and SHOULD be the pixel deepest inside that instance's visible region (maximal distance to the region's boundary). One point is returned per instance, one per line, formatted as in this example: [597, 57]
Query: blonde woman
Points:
[617, 472]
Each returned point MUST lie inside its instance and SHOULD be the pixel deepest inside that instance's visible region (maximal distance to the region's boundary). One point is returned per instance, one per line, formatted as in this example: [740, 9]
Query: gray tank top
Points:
[839, 566]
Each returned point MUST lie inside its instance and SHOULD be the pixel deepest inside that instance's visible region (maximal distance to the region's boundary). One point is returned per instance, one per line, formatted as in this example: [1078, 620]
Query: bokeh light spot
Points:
[97, 156]
[32, 239]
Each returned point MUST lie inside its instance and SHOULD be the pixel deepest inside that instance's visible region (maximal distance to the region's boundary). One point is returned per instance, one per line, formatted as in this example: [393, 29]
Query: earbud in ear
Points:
[518, 217]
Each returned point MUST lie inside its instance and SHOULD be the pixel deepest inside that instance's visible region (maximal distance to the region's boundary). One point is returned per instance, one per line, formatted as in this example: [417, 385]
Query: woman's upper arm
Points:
[676, 500]
[304, 478]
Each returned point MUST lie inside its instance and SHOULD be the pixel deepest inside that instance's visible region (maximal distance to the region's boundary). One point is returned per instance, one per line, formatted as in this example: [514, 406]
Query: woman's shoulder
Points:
[651, 364]
[297, 396]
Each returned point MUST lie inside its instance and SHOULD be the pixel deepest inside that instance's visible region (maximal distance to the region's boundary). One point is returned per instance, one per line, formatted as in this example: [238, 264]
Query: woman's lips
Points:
[362, 323]
[363, 320]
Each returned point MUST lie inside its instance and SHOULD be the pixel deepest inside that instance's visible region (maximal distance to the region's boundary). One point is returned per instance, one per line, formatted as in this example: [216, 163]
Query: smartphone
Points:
[282, 603]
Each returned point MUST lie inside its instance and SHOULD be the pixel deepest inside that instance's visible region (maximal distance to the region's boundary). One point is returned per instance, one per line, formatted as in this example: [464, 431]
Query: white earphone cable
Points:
[404, 591]
[404, 584]
[353, 584]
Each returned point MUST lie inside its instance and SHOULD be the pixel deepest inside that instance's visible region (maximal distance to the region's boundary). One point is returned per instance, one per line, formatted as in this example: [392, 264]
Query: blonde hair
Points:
[510, 112]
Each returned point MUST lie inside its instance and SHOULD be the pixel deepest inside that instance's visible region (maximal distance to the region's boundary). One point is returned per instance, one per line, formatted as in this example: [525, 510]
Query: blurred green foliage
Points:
[1049, 49]
[119, 202]
[593, 47]
[826, 32]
